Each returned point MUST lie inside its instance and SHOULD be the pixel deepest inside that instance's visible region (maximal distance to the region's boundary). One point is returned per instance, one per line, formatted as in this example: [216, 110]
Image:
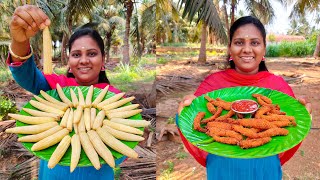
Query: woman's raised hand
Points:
[26, 22]
[187, 100]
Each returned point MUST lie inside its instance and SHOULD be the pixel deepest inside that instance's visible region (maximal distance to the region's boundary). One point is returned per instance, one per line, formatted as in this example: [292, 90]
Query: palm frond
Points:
[206, 11]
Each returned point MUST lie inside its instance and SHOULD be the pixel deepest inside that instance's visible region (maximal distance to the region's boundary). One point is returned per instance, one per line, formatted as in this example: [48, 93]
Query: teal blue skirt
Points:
[80, 173]
[222, 168]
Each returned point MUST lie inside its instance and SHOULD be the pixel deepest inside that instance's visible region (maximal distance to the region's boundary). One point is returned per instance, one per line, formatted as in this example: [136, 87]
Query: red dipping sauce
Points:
[244, 106]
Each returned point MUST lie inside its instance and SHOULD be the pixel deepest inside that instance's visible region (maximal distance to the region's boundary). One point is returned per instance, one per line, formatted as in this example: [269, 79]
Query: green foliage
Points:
[291, 49]
[6, 106]
[166, 172]
[181, 155]
[124, 75]
[117, 172]
[162, 60]
[61, 70]
[272, 38]
[171, 120]
[5, 74]
[272, 50]
[178, 44]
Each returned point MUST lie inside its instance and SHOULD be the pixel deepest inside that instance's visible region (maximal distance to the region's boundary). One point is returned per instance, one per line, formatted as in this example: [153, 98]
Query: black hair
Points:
[244, 21]
[87, 31]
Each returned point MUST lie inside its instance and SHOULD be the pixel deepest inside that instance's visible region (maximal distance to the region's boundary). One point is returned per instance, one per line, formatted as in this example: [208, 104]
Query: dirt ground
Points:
[303, 75]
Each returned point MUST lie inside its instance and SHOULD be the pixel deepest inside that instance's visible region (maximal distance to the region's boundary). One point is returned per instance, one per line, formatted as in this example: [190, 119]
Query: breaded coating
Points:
[209, 99]
[245, 131]
[225, 140]
[256, 123]
[221, 103]
[262, 110]
[264, 98]
[197, 120]
[220, 125]
[228, 115]
[282, 123]
[262, 102]
[213, 117]
[250, 143]
[224, 133]
[274, 132]
[228, 120]
[276, 117]
[211, 108]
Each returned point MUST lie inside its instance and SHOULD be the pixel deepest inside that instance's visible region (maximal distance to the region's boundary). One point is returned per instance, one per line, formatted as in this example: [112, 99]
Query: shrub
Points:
[6, 106]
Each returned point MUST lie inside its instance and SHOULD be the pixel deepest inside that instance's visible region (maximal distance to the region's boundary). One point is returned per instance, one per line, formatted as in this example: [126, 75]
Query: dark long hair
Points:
[86, 31]
[241, 22]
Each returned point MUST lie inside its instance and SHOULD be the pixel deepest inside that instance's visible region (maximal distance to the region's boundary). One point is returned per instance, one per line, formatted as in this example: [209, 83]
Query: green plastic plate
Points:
[84, 161]
[277, 145]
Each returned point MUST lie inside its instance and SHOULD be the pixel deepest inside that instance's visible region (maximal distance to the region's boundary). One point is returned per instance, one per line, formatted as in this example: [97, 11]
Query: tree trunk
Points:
[224, 7]
[108, 45]
[317, 50]
[63, 47]
[125, 48]
[233, 6]
[202, 55]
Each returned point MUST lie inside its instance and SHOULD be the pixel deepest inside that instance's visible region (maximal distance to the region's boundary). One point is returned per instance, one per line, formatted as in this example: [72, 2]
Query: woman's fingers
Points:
[187, 100]
[304, 101]
[26, 21]
[309, 107]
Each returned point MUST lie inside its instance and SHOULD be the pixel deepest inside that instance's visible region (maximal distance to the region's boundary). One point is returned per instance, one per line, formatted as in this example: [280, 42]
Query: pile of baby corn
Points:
[98, 124]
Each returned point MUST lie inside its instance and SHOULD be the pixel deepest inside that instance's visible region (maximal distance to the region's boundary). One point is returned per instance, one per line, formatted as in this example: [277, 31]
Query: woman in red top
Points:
[247, 47]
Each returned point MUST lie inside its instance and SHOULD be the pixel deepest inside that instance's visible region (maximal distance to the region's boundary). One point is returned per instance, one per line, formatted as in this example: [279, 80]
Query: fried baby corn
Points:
[245, 131]
[211, 108]
[256, 123]
[274, 132]
[225, 140]
[220, 125]
[226, 116]
[250, 143]
[224, 133]
[197, 120]
[213, 117]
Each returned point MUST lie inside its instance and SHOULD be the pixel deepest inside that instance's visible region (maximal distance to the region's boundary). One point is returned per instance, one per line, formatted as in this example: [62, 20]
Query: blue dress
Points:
[80, 173]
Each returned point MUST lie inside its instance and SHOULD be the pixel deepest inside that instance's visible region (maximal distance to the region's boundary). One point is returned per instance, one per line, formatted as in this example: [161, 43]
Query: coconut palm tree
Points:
[302, 7]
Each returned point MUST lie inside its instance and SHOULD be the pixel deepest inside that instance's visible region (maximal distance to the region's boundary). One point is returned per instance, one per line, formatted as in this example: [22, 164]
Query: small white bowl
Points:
[253, 107]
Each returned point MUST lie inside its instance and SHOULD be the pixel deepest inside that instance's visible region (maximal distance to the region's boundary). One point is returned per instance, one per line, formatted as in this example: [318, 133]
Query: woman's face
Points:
[247, 49]
[85, 60]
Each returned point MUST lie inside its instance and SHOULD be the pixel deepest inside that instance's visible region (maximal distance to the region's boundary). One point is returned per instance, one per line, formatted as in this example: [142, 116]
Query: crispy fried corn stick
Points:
[197, 120]
[250, 143]
[211, 108]
[226, 116]
[226, 140]
[220, 125]
[212, 118]
[274, 132]
[245, 131]
[256, 123]
[224, 133]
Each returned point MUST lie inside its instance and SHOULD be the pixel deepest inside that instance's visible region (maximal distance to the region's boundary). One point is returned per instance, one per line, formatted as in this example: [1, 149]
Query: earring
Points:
[263, 58]
[69, 71]
[103, 68]
[230, 59]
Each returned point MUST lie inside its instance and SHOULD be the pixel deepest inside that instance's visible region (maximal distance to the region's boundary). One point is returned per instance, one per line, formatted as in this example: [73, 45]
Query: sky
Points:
[280, 24]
